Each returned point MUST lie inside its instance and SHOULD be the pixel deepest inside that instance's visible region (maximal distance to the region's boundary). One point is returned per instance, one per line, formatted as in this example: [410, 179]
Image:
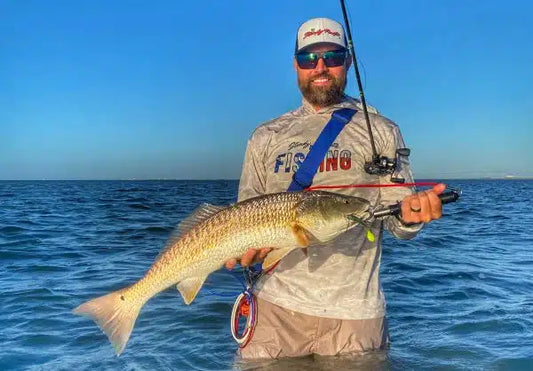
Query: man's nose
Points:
[321, 66]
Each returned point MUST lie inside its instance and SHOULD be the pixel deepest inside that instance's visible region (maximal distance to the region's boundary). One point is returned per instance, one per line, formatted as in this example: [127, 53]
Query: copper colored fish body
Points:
[212, 235]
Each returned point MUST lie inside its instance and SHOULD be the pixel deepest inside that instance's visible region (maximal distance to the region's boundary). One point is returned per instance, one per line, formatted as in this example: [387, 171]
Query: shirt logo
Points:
[334, 160]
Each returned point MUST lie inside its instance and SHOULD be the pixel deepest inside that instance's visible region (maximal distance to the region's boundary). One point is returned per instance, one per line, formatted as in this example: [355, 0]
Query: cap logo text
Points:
[314, 32]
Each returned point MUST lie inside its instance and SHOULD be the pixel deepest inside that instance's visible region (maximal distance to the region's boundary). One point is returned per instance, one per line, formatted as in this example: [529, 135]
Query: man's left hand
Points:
[423, 207]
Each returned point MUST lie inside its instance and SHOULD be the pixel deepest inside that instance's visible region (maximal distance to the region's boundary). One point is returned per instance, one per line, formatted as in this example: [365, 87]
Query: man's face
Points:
[322, 86]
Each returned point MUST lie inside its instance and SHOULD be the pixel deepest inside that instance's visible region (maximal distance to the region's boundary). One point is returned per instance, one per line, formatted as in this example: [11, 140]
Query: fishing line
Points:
[343, 186]
[361, 62]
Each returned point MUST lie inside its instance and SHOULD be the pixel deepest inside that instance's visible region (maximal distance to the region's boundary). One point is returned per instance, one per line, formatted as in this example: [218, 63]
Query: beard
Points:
[323, 96]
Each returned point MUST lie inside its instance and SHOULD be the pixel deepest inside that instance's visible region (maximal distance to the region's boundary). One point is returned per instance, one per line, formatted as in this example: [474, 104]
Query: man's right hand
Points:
[250, 257]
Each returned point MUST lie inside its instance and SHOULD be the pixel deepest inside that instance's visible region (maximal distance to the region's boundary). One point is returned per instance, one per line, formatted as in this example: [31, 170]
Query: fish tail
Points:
[115, 314]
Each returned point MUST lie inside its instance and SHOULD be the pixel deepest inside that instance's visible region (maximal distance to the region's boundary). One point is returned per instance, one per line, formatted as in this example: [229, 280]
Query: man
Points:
[328, 301]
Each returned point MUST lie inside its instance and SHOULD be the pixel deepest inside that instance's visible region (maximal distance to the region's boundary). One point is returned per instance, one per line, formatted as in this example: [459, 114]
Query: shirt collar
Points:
[346, 102]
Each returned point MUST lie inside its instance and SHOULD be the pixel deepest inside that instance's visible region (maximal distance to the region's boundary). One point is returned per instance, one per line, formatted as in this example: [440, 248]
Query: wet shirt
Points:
[339, 279]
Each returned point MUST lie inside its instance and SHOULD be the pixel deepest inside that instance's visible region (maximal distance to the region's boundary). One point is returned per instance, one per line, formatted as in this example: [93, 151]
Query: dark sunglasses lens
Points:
[334, 58]
[307, 60]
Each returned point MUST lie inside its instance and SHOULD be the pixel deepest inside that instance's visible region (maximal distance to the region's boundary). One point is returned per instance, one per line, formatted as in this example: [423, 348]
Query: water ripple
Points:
[458, 296]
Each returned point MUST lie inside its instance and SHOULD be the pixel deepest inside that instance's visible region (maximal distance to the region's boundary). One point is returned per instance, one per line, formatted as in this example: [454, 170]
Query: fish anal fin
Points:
[275, 256]
[189, 288]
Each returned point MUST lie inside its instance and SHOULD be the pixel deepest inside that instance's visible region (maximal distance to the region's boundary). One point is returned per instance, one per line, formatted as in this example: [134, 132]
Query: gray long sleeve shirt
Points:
[339, 279]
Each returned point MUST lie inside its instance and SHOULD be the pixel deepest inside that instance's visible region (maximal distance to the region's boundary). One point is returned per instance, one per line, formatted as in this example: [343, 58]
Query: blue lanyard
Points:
[303, 177]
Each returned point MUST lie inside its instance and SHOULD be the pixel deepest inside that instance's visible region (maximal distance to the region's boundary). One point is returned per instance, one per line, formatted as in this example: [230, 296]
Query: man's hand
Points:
[250, 257]
[423, 207]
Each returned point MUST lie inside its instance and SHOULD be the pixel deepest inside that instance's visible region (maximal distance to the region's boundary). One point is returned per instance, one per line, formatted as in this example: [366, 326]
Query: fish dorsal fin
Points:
[189, 288]
[201, 213]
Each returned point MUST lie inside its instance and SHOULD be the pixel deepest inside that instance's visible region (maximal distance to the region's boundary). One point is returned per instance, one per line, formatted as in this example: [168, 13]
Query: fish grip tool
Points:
[246, 306]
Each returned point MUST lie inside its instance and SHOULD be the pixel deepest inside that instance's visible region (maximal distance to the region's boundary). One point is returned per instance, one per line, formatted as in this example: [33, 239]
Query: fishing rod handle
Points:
[446, 198]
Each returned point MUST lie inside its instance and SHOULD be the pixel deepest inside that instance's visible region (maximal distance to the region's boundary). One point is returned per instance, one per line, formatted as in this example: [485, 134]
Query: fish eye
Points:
[346, 201]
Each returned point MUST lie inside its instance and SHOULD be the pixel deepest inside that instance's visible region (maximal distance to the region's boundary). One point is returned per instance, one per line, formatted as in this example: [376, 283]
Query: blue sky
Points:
[172, 89]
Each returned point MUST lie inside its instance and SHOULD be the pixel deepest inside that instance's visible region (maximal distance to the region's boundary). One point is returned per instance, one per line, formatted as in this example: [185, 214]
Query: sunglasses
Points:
[332, 58]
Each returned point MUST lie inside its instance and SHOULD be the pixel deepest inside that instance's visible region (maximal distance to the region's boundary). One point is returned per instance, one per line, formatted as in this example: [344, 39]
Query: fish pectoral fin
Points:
[300, 235]
[189, 288]
[275, 256]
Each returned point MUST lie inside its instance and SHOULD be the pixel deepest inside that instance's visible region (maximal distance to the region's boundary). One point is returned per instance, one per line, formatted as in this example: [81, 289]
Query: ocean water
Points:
[459, 296]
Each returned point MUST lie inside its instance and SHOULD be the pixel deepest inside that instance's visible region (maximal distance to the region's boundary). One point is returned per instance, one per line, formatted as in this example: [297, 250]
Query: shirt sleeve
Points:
[253, 176]
[391, 195]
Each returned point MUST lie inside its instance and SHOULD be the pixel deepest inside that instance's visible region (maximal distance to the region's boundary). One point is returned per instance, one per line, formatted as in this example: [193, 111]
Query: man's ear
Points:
[295, 64]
